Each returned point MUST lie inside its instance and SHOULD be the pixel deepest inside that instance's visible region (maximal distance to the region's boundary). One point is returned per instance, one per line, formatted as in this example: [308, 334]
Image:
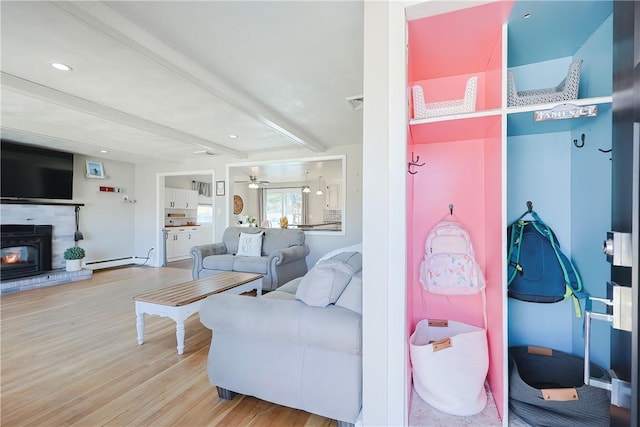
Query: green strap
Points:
[567, 283]
[514, 260]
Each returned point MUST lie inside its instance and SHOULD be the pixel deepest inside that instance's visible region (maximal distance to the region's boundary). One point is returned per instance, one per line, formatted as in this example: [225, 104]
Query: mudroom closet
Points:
[492, 125]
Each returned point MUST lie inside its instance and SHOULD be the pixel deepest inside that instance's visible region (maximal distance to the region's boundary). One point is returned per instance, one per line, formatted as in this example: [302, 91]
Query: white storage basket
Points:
[450, 364]
[467, 104]
[567, 90]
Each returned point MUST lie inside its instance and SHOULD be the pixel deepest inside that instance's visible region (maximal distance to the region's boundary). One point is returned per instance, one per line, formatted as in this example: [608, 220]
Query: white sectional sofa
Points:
[299, 346]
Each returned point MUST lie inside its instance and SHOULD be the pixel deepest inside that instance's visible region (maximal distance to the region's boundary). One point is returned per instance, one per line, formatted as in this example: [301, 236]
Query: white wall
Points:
[386, 381]
[106, 221]
[147, 228]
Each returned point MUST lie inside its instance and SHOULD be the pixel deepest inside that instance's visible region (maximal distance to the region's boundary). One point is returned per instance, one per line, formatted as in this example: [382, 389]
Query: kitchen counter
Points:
[329, 226]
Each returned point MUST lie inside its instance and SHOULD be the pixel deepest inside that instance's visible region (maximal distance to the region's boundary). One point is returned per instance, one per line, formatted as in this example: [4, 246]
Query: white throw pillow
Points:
[250, 244]
[351, 298]
[324, 283]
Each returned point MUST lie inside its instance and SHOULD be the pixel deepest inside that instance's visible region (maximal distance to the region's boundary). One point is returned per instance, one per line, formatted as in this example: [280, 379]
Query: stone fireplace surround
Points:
[62, 217]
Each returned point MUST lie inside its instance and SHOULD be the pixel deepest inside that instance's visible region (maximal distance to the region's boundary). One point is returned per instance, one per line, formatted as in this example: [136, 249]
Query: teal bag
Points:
[538, 271]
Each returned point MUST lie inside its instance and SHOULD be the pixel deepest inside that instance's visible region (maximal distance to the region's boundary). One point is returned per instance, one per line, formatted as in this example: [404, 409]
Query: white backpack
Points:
[449, 266]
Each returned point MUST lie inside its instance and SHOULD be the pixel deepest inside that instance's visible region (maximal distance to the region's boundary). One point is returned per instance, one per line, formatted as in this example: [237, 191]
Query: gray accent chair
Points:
[282, 350]
[283, 256]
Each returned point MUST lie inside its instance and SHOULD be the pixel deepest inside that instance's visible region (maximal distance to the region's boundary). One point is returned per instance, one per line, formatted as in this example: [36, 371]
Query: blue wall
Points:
[570, 188]
[538, 169]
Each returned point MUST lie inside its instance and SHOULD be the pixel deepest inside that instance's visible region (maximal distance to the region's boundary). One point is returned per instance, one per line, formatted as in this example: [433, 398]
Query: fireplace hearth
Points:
[25, 250]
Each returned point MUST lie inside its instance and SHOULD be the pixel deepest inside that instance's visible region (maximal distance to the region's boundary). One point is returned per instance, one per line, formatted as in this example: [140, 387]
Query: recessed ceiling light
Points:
[526, 15]
[104, 151]
[233, 136]
[60, 66]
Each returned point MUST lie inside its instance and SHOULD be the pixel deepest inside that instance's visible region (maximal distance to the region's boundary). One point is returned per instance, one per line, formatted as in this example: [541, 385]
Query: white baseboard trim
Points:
[108, 263]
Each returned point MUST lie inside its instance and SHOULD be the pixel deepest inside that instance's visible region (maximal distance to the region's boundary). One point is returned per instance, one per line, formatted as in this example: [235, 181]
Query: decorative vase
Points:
[74, 265]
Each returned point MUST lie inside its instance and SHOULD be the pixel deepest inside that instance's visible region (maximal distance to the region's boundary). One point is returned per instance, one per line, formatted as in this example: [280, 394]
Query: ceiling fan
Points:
[253, 182]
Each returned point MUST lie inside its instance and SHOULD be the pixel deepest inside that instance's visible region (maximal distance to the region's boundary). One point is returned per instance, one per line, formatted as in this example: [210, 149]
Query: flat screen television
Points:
[30, 172]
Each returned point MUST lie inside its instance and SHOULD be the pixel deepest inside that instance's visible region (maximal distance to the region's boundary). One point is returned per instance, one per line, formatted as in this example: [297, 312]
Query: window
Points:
[205, 214]
[279, 202]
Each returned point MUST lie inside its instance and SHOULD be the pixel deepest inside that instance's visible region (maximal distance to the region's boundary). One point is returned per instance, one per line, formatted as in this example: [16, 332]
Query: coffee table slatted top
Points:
[186, 293]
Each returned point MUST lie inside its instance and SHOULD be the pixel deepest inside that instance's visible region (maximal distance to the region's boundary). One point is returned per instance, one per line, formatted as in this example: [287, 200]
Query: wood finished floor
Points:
[69, 356]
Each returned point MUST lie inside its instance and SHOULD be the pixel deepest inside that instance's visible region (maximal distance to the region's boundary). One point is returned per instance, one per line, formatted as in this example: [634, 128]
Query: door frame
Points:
[160, 194]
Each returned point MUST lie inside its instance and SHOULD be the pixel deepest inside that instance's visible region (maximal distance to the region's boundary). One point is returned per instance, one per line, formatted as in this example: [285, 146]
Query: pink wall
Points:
[467, 174]
[454, 173]
[463, 165]
[457, 42]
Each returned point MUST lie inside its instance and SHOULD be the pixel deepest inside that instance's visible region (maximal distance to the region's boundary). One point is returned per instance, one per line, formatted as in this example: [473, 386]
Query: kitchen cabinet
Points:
[179, 241]
[178, 198]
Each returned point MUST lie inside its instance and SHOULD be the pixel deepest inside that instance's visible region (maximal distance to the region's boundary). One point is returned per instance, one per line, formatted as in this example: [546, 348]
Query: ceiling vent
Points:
[356, 102]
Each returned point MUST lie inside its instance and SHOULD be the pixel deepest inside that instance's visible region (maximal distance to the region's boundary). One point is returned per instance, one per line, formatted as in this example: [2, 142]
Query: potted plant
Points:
[74, 256]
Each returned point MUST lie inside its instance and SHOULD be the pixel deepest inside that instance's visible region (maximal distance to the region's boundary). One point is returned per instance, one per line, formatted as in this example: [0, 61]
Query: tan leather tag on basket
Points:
[542, 351]
[559, 394]
[439, 323]
[441, 344]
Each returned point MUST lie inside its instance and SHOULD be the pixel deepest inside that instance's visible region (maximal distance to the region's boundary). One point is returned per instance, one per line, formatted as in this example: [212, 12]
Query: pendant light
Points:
[306, 188]
[319, 192]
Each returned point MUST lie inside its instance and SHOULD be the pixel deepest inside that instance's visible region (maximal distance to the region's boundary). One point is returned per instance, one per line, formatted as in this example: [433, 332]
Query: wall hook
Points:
[529, 206]
[414, 162]
[581, 144]
[450, 208]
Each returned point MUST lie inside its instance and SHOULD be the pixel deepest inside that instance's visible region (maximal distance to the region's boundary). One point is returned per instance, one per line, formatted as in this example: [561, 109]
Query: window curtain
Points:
[203, 188]
[305, 208]
[261, 204]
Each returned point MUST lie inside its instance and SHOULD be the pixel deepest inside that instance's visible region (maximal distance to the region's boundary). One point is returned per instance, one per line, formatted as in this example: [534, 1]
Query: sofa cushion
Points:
[281, 238]
[353, 248]
[280, 295]
[218, 262]
[231, 236]
[352, 258]
[290, 323]
[251, 264]
[324, 283]
[291, 287]
[351, 297]
[250, 244]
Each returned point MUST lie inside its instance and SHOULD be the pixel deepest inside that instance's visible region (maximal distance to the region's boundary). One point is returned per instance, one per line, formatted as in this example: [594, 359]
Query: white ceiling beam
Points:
[86, 147]
[104, 19]
[38, 91]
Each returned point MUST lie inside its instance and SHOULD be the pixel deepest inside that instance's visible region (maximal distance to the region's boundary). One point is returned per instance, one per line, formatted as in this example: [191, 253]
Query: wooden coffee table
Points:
[179, 302]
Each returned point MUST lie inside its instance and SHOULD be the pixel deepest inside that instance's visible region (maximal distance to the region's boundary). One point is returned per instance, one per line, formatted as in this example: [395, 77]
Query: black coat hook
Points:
[581, 144]
[414, 162]
[451, 209]
[529, 206]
